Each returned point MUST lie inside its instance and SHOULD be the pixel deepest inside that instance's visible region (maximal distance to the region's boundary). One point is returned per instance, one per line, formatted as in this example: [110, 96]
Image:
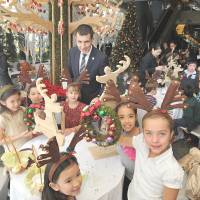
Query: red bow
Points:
[39, 106]
[92, 108]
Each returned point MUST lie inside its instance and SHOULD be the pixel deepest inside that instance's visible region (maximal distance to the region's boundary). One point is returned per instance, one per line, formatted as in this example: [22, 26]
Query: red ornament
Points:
[96, 117]
[112, 127]
[29, 115]
[28, 123]
[109, 121]
[164, 111]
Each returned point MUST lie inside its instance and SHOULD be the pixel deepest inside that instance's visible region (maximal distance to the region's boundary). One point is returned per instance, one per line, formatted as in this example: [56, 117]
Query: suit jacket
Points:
[95, 66]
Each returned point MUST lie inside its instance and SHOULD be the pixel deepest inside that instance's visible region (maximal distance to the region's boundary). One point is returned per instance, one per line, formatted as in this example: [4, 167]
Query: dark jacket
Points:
[148, 63]
[192, 113]
[95, 66]
[190, 80]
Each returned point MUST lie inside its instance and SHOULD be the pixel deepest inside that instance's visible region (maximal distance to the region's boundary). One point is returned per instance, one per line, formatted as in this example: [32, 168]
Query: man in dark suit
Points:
[85, 62]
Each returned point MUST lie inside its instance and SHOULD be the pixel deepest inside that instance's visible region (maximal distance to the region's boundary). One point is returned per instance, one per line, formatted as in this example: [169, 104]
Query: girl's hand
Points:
[125, 141]
[27, 134]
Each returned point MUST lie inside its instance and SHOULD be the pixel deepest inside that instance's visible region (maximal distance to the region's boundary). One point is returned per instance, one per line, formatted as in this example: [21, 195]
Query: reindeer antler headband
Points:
[52, 155]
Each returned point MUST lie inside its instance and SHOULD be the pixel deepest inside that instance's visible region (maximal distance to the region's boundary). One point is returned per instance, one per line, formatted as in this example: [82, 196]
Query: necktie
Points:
[83, 63]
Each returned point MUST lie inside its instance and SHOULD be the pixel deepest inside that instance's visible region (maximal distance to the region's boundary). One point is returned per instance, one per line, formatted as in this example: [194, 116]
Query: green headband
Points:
[5, 88]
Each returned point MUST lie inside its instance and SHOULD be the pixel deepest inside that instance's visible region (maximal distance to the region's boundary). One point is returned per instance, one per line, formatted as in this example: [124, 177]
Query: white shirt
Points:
[151, 175]
[193, 75]
[86, 57]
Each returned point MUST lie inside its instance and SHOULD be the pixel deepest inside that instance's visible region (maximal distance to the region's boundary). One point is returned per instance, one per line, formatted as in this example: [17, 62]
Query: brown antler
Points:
[52, 152]
[111, 92]
[137, 96]
[65, 76]
[170, 97]
[78, 136]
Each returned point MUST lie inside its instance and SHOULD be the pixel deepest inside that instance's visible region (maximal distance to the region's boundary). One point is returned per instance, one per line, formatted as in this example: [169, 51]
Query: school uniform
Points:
[151, 175]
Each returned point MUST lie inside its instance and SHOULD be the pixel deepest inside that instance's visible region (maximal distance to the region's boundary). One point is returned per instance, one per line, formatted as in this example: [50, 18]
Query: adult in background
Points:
[85, 62]
[148, 64]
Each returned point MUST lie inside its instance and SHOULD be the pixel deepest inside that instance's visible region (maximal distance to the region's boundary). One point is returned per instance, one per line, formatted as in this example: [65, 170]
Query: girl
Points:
[127, 116]
[72, 108]
[62, 181]
[34, 97]
[157, 174]
[34, 103]
[12, 126]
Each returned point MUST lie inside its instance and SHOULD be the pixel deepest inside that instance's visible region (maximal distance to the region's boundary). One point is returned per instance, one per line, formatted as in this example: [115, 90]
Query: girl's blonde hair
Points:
[163, 114]
[75, 86]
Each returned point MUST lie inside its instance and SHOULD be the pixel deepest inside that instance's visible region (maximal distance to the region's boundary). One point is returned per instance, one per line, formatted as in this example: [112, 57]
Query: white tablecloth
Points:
[103, 178]
[175, 113]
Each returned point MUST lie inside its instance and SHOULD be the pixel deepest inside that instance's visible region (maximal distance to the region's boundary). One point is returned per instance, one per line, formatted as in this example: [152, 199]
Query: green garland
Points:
[95, 119]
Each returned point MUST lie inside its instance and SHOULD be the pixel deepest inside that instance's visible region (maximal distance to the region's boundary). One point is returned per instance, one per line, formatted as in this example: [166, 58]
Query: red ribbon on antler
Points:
[39, 106]
[92, 108]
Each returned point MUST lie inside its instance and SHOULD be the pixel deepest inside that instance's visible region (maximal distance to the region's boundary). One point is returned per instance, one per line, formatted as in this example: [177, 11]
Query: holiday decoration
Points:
[34, 179]
[104, 16]
[180, 29]
[16, 161]
[101, 124]
[48, 125]
[127, 41]
[191, 166]
[110, 99]
[29, 115]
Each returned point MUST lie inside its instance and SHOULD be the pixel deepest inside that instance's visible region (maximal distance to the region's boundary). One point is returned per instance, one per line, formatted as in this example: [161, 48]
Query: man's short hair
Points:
[85, 29]
[191, 61]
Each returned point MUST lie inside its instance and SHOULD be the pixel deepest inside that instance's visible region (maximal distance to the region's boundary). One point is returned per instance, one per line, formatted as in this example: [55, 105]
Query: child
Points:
[157, 174]
[62, 180]
[11, 118]
[34, 97]
[34, 103]
[191, 114]
[191, 76]
[127, 116]
[72, 108]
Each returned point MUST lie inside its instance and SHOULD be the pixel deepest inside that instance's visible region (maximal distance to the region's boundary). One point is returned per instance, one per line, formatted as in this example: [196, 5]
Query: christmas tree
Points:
[127, 42]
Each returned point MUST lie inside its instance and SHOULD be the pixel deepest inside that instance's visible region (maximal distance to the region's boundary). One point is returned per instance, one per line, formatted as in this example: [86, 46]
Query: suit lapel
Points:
[76, 61]
[91, 59]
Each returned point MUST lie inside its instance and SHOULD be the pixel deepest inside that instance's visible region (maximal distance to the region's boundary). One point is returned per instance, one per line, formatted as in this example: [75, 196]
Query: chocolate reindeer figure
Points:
[110, 81]
[51, 151]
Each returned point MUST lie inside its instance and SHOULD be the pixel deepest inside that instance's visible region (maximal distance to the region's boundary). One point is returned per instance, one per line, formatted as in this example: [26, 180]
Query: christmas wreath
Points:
[29, 115]
[101, 123]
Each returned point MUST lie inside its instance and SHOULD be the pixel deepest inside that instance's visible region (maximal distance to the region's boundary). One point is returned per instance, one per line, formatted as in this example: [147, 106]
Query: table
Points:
[160, 94]
[103, 178]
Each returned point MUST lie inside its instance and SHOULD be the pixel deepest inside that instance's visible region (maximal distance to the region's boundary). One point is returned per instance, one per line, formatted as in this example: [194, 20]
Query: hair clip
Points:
[164, 111]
